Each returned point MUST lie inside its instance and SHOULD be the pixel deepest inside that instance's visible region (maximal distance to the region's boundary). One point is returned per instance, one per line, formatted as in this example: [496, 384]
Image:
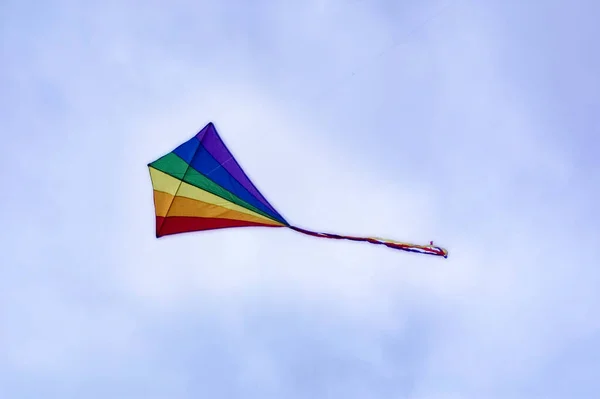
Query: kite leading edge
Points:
[200, 186]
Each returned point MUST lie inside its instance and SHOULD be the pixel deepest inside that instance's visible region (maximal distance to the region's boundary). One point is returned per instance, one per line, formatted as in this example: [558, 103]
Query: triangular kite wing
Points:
[200, 186]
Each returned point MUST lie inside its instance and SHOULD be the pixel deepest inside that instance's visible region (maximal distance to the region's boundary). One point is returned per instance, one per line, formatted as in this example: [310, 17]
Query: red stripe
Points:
[186, 224]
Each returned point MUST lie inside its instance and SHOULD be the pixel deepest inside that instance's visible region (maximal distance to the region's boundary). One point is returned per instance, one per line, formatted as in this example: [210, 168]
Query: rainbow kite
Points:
[200, 186]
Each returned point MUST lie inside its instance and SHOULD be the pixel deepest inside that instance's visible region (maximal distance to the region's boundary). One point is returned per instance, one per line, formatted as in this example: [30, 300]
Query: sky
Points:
[468, 123]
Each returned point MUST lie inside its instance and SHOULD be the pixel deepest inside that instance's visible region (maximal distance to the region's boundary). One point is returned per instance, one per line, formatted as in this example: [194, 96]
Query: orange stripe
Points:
[162, 201]
[183, 206]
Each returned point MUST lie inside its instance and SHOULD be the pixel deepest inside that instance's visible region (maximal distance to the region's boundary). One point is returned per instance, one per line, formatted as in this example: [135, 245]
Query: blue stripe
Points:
[203, 162]
[187, 150]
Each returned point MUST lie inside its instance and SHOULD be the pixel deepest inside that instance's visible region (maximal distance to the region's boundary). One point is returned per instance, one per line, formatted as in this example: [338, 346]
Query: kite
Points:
[200, 186]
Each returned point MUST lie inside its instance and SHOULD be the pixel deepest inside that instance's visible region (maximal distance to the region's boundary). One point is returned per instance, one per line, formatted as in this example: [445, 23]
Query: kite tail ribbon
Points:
[422, 249]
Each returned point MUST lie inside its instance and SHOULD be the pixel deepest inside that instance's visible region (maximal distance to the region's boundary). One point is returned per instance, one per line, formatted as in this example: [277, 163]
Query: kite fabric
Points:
[200, 186]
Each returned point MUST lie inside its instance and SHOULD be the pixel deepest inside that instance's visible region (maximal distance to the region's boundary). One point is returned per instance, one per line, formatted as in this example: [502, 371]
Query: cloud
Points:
[434, 139]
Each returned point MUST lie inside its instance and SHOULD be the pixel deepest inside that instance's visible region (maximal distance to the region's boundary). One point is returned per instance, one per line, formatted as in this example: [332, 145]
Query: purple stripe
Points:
[202, 132]
[215, 146]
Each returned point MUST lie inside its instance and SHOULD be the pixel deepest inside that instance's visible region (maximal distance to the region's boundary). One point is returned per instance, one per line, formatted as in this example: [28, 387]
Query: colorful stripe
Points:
[173, 189]
[182, 206]
[176, 167]
[200, 186]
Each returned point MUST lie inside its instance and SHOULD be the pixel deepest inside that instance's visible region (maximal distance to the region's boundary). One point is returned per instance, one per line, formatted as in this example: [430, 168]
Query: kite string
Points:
[421, 249]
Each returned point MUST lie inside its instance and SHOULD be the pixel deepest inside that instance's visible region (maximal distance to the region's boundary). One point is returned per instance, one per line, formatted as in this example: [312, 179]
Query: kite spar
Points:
[200, 186]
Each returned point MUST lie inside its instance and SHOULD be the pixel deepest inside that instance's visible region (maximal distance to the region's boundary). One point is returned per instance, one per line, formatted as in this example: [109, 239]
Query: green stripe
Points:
[174, 166]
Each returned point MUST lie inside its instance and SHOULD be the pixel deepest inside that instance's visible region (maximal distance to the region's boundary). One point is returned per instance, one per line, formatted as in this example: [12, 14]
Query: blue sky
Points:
[476, 130]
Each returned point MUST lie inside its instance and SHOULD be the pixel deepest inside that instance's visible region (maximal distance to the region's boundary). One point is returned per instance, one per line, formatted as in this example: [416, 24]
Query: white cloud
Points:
[89, 290]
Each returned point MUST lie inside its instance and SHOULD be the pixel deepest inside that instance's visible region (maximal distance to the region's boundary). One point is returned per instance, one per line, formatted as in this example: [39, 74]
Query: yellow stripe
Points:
[170, 185]
[163, 182]
[182, 206]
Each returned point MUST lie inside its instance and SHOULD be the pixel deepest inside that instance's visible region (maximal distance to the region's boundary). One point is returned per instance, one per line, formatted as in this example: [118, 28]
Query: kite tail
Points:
[422, 249]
